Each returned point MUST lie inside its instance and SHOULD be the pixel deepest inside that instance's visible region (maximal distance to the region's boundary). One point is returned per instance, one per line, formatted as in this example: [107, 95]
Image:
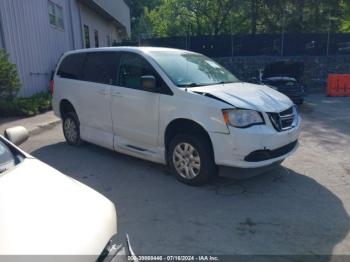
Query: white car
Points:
[43, 212]
[172, 107]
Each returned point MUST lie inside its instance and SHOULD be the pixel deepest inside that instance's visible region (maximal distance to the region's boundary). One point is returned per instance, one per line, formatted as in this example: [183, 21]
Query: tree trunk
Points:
[254, 15]
[300, 14]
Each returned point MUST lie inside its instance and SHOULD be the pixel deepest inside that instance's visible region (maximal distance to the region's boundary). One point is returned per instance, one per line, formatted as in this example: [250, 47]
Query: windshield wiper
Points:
[189, 85]
[225, 82]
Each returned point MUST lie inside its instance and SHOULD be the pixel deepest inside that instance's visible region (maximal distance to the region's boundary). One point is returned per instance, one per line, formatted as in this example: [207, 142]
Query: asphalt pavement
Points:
[300, 208]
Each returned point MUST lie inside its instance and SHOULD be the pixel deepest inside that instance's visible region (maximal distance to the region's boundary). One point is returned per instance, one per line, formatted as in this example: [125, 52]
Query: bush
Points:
[26, 106]
[9, 80]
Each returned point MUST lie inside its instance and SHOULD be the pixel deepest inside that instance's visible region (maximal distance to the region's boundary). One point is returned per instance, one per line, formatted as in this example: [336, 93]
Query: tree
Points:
[193, 17]
[9, 80]
[213, 17]
[139, 23]
[345, 22]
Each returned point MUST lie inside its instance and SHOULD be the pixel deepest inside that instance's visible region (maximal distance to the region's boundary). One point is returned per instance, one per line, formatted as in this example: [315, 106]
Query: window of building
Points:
[108, 40]
[86, 36]
[97, 44]
[56, 15]
[101, 67]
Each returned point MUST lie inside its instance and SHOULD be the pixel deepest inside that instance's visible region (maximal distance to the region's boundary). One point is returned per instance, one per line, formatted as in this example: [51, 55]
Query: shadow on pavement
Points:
[329, 117]
[277, 213]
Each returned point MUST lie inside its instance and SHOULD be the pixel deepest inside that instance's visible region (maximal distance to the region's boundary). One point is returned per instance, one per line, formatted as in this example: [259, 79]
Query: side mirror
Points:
[148, 83]
[16, 135]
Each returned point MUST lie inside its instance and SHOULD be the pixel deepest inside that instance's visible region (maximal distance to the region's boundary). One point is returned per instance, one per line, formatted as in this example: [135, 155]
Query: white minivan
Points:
[172, 107]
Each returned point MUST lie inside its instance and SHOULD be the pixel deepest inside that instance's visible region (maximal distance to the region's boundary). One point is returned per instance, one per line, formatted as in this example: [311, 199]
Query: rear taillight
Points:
[52, 86]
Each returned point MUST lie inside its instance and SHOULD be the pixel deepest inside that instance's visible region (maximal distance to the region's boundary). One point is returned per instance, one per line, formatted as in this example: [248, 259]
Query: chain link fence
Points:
[254, 45]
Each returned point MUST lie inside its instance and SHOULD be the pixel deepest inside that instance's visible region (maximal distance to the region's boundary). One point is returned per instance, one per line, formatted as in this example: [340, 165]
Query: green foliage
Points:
[26, 106]
[140, 26]
[9, 80]
[345, 22]
[10, 105]
[162, 18]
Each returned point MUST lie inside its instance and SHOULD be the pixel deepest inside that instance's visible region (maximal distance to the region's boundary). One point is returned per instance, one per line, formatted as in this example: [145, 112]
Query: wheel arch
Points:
[66, 107]
[184, 126]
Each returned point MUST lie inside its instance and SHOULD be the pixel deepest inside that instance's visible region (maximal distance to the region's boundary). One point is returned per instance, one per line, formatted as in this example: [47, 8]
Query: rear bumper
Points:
[55, 108]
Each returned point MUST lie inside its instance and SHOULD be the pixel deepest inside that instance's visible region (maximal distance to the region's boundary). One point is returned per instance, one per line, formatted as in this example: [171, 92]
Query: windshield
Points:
[7, 159]
[190, 70]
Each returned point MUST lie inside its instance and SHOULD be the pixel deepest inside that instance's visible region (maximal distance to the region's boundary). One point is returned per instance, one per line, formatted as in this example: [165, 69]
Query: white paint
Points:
[44, 212]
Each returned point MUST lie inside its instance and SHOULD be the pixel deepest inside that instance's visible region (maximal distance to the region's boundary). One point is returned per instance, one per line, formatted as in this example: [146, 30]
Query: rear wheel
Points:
[71, 128]
[191, 159]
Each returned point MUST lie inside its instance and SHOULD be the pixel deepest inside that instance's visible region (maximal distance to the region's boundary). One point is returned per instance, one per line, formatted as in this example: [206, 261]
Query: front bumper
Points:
[234, 149]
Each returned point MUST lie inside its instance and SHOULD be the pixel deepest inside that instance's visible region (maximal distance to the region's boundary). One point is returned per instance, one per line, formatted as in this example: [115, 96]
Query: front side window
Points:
[132, 68]
[86, 36]
[101, 67]
[55, 15]
[8, 159]
[187, 69]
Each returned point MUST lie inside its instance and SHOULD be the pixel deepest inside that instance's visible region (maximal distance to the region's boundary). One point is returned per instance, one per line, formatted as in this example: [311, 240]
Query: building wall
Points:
[117, 9]
[33, 44]
[96, 22]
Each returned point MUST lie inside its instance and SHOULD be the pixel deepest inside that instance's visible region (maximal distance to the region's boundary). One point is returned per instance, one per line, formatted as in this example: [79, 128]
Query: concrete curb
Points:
[43, 127]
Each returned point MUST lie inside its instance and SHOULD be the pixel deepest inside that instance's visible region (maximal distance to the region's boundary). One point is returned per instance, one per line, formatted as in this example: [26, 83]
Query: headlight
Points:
[242, 117]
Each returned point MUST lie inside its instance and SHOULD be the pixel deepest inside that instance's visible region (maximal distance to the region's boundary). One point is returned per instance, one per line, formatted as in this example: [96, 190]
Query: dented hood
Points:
[248, 96]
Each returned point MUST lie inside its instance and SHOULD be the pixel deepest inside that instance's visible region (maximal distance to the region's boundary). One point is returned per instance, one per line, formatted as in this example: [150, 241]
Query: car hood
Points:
[248, 96]
[44, 212]
[284, 68]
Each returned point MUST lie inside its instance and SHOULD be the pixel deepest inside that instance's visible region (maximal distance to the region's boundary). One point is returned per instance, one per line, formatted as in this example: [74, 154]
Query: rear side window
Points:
[71, 66]
[101, 67]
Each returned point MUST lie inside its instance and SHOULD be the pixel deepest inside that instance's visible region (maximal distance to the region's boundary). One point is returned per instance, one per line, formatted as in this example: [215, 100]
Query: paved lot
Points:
[302, 207]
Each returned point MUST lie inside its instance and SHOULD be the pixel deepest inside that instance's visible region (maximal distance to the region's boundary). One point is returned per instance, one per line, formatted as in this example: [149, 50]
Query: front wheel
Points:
[191, 159]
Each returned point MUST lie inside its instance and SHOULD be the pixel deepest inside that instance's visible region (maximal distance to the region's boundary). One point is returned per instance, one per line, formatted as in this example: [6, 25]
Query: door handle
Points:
[117, 94]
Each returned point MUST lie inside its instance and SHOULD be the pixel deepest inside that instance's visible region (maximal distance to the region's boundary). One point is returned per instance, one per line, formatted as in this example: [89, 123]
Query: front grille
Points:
[284, 120]
[290, 89]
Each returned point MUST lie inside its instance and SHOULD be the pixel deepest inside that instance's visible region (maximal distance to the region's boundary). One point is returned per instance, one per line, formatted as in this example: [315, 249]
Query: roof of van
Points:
[143, 49]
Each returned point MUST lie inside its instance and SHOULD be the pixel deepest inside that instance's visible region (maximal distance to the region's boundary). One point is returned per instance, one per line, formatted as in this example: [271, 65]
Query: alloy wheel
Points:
[70, 130]
[186, 161]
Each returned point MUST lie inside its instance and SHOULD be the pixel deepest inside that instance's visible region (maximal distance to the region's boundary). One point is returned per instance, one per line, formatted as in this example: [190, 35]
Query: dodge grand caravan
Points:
[173, 107]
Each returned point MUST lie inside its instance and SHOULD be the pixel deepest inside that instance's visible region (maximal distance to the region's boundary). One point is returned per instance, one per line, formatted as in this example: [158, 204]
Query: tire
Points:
[191, 159]
[71, 129]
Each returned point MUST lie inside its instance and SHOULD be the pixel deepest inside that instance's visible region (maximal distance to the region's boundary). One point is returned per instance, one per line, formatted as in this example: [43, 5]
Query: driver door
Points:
[135, 112]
